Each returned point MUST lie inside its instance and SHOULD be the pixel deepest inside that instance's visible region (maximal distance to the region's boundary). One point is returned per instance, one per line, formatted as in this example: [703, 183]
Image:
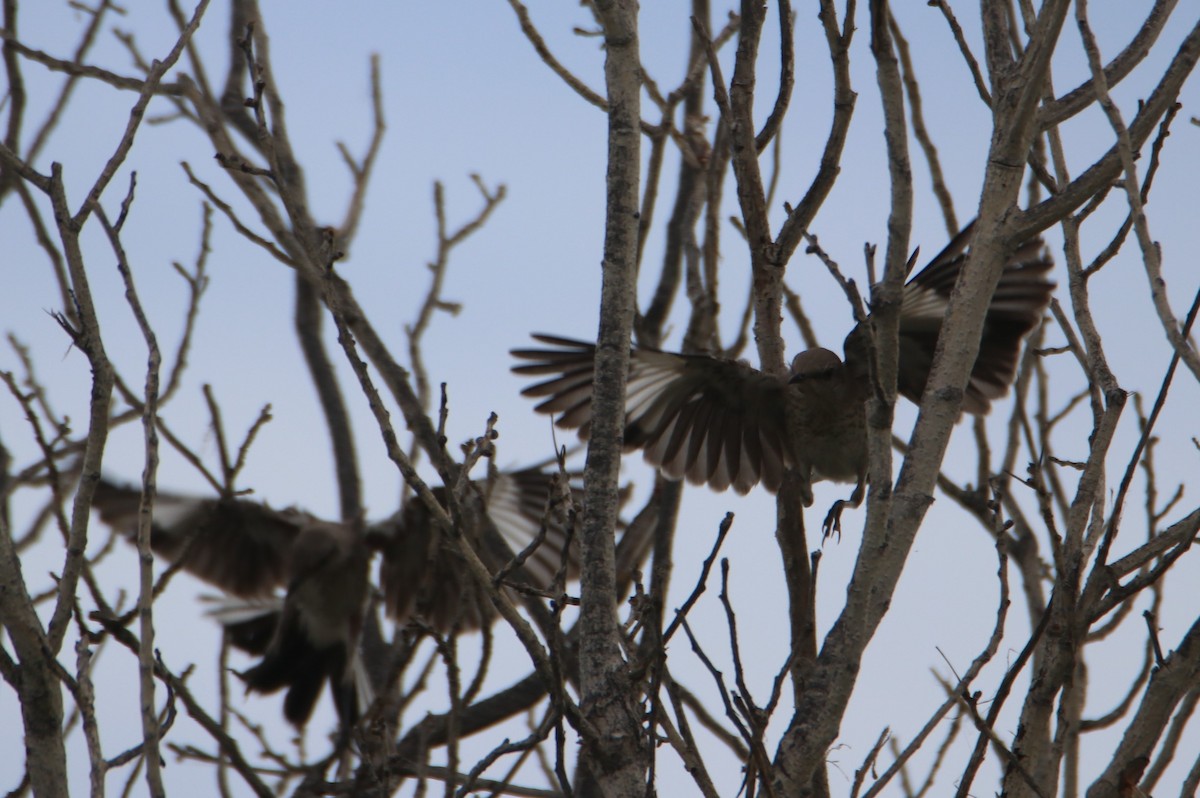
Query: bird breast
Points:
[827, 424]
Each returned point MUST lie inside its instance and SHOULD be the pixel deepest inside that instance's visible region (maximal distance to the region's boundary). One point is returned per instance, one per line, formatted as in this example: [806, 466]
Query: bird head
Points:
[815, 365]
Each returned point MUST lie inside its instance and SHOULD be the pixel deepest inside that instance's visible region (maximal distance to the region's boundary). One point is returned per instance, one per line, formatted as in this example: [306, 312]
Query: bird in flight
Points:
[252, 551]
[724, 423]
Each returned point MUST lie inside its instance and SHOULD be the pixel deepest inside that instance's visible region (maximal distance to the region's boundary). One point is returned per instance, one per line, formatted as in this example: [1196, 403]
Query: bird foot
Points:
[833, 521]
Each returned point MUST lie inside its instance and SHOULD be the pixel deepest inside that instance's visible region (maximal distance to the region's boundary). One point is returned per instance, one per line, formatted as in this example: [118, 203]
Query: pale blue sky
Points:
[465, 93]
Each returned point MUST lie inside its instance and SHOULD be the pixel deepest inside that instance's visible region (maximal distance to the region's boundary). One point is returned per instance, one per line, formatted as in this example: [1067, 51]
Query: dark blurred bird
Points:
[251, 551]
[721, 422]
[317, 629]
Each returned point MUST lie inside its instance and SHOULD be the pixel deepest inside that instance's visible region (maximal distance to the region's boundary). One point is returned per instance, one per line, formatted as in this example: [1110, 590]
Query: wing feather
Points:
[240, 546]
[1016, 309]
[709, 420]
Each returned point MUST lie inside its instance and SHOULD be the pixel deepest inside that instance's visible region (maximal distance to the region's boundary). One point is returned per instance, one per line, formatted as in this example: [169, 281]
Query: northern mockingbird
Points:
[723, 423]
[252, 551]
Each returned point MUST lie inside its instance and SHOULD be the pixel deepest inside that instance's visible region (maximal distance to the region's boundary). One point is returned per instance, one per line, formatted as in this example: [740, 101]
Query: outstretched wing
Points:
[715, 422]
[1016, 309]
[423, 576]
[239, 546]
[523, 503]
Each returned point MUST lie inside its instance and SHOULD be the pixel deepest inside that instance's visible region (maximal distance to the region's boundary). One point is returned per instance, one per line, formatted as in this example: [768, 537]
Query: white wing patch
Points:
[230, 610]
[519, 529]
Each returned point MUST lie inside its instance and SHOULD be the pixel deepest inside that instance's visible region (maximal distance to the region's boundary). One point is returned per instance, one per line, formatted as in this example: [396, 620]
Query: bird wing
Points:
[249, 550]
[715, 422]
[522, 503]
[423, 576]
[239, 546]
[1016, 309]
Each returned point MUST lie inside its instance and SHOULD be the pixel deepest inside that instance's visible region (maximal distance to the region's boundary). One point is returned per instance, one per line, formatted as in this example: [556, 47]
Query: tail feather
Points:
[292, 661]
[249, 623]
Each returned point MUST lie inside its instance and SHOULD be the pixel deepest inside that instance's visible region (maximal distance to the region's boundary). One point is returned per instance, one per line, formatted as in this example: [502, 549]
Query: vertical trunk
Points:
[612, 751]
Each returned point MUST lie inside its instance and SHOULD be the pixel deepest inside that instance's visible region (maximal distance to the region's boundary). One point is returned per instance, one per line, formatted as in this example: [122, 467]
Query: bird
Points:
[317, 628]
[723, 423]
[311, 635]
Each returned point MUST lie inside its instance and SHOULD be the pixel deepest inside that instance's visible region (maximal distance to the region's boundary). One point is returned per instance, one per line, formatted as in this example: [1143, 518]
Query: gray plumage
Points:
[252, 551]
[723, 423]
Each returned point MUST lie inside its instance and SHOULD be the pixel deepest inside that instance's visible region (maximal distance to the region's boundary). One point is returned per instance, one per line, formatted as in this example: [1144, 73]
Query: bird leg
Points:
[805, 485]
[833, 520]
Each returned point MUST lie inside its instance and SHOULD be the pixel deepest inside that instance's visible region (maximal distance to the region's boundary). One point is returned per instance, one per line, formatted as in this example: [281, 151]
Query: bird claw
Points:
[833, 521]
